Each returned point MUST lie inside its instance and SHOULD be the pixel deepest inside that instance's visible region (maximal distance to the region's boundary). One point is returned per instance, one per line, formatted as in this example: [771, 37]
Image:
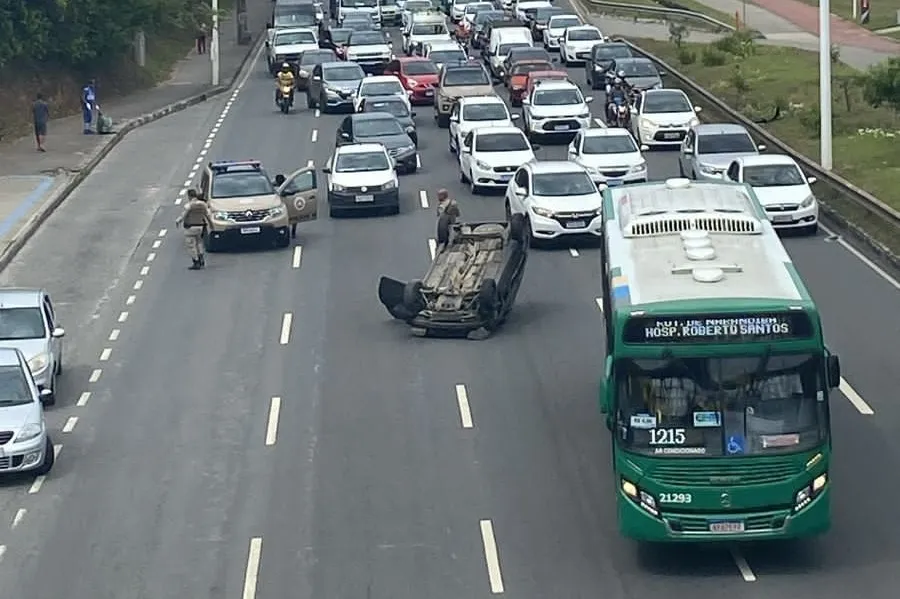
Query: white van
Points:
[424, 28]
[502, 40]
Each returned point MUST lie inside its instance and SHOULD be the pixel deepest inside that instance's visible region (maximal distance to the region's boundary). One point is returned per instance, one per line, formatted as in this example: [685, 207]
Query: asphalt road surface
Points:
[180, 476]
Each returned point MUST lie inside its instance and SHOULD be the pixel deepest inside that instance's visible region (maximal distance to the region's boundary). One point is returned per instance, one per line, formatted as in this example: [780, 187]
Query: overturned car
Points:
[471, 285]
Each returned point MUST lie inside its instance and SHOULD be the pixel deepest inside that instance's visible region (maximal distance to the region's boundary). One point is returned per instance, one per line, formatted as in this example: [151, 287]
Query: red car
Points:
[535, 76]
[518, 78]
[418, 75]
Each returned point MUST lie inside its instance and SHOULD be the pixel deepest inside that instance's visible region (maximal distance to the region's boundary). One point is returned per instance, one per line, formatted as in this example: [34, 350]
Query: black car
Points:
[479, 26]
[603, 57]
[396, 106]
[308, 60]
[383, 128]
[334, 38]
[537, 20]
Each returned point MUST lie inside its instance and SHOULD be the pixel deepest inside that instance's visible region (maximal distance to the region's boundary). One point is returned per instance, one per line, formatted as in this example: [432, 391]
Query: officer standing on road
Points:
[194, 220]
[446, 206]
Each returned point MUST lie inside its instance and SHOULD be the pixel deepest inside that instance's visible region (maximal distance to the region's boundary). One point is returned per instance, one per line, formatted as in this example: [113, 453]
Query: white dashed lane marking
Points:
[37, 484]
[114, 335]
[105, 354]
[70, 424]
[84, 399]
[432, 247]
[297, 257]
[17, 519]
[286, 328]
[423, 198]
[599, 302]
[251, 574]
[272, 426]
[742, 565]
[855, 398]
[462, 400]
[151, 256]
[145, 270]
[315, 135]
[95, 375]
[491, 556]
[128, 301]
[138, 284]
[573, 252]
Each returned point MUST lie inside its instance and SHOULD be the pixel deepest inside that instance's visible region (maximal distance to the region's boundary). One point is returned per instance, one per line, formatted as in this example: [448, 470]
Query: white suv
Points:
[610, 156]
[556, 27]
[576, 43]
[489, 156]
[556, 107]
[477, 111]
[558, 198]
[662, 117]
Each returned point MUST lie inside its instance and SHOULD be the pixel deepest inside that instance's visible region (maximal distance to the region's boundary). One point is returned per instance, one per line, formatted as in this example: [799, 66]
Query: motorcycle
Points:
[619, 114]
[285, 98]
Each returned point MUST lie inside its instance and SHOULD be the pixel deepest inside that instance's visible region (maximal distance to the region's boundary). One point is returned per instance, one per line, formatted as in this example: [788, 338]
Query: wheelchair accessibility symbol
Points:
[299, 203]
[735, 445]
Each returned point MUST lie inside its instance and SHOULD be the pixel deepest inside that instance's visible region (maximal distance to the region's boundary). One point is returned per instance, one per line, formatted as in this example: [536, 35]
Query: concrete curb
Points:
[48, 207]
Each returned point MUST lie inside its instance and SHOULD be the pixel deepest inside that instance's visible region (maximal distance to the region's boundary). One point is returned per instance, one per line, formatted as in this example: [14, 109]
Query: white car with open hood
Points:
[489, 156]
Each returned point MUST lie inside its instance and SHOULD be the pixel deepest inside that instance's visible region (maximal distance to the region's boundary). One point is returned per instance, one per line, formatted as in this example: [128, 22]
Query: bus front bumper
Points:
[637, 523]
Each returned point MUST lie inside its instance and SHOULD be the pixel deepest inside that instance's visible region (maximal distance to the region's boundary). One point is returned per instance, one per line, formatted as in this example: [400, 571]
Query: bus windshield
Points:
[721, 406]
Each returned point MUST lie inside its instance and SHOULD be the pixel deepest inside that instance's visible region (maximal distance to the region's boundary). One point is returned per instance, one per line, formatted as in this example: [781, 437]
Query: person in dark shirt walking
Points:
[201, 39]
[41, 116]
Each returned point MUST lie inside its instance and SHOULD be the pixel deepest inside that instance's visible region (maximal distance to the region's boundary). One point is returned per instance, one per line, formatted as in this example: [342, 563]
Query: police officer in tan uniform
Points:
[193, 218]
[446, 205]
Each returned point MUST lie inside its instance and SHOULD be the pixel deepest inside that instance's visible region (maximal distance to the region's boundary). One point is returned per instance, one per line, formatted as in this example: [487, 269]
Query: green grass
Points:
[883, 12]
[865, 139]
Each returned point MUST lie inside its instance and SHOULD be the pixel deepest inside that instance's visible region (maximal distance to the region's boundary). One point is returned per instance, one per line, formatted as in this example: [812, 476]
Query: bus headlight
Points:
[805, 495]
[642, 498]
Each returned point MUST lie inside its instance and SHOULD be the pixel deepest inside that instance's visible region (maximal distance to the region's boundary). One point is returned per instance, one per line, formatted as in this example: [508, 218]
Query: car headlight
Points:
[220, 215]
[303, 72]
[598, 68]
[412, 82]
[694, 122]
[709, 170]
[276, 211]
[29, 432]
[542, 212]
[585, 115]
[407, 149]
[332, 91]
[39, 362]
[337, 187]
[639, 496]
[805, 495]
[639, 168]
[410, 129]
[646, 124]
[392, 184]
[483, 165]
[809, 201]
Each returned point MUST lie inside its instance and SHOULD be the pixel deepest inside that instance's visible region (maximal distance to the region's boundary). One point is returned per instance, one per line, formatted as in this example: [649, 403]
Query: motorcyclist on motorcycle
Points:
[618, 95]
[284, 78]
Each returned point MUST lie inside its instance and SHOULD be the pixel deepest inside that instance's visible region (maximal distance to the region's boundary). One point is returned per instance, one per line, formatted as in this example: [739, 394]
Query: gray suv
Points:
[333, 85]
[708, 149]
[25, 444]
[28, 324]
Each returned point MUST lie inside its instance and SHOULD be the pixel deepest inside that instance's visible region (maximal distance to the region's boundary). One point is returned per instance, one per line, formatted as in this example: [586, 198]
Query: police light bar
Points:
[224, 166]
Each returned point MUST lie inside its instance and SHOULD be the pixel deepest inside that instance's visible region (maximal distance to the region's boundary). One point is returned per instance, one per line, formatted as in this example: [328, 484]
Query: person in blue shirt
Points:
[88, 102]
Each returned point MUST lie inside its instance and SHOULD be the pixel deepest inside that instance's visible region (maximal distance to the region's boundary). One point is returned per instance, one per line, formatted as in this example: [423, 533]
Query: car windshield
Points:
[466, 77]
[530, 67]
[609, 144]
[583, 35]
[14, 389]
[417, 5]
[756, 405]
[359, 3]
[725, 143]
[381, 88]
[503, 49]
[563, 22]
[396, 107]
[361, 161]
[488, 15]
[430, 29]
[563, 184]
[557, 97]
[295, 37]
[543, 14]
[666, 102]
[447, 56]
[340, 36]
[501, 142]
[347, 73]
[359, 25]
[637, 69]
[377, 128]
[462, 2]
[21, 323]
[240, 185]
[294, 19]
[366, 38]
[477, 6]
[420, 67]
[485, 112]
[317, 57]
[611, 51]
[773, 175]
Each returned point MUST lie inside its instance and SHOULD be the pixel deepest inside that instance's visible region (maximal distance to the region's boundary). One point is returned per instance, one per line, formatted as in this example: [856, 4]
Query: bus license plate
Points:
[727, 526]
[576, 224]
[366, 198]
[249, 230]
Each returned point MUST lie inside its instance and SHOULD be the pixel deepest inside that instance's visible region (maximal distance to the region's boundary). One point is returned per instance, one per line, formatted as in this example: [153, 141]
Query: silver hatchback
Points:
[708, 149]
[25, 444]
[28, 324]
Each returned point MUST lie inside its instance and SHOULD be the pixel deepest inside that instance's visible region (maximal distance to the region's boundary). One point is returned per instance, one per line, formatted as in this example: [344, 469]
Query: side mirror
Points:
[833, 371]
[515, 117]
[535, 148]
[345, 135]
[687, 151]
[58, 333]
[588, 99]
[526, 102]
[698, 109]
[454, 119]
[604, 390]
[317, 78]
[811, 180]
[662, 73]
[268, 26]
[521, 194]
[645, 148]
[632, 110]
[45, 394]
[761, 147]
[326, 170]
[466, 149]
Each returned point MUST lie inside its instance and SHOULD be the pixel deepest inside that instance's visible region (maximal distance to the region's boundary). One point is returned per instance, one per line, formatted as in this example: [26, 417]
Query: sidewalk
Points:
[30, 179]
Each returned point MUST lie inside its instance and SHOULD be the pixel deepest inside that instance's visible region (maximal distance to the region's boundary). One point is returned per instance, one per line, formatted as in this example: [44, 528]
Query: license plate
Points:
[505, 177]
[366, 198]
[576, 224]
[249, 230]
[727, 526]
[783, 218]
[674, 135]
[561, 128]
[429, 92]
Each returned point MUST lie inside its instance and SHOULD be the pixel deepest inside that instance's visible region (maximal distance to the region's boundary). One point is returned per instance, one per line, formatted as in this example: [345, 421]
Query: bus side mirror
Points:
[605, 389]
[833, 371]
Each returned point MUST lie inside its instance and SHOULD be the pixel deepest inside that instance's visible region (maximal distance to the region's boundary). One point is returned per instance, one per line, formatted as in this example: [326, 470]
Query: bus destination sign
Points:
[718, 328]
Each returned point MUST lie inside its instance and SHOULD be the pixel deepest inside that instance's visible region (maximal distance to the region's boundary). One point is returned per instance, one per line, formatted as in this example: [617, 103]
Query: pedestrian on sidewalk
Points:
[88, 104]
[40, 112]
[201, 39]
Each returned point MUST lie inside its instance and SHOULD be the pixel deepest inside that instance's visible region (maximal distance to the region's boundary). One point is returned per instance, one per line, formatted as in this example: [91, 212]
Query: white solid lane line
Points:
[744, 568]
[298, 256]
[423, 198]
[17, 519]
[859, 256]
[84, 399]
[272, 427]
[432, 247]
[858, 402]
[465, 412]
[286, 328]
[251, 574]
[573, 252]
[70, 424]
[491, 557]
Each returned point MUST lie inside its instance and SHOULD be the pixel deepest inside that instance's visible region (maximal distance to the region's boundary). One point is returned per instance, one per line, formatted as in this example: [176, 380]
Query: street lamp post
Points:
[214, 43]
[825, 83]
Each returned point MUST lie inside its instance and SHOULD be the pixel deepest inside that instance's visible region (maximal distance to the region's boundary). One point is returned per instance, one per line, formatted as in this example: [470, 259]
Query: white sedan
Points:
[576, 43]
[489, 156]
[781, 188]
[477, 111]
[610, 156]
[379, 85]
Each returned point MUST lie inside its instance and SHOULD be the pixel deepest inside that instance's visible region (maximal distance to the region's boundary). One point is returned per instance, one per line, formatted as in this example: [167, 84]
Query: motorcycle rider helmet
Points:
[621, 74]
[285, 67]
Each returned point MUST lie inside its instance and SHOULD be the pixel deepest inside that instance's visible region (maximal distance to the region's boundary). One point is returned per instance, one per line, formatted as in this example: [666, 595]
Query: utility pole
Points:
[825, 83]
[214, 43]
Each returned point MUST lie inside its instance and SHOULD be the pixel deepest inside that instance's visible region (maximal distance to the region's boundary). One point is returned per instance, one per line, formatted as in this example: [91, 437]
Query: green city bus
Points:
[717, 377]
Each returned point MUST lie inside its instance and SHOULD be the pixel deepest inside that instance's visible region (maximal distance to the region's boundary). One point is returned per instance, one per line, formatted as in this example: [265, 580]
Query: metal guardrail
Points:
[844, 192]
[664, 12]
